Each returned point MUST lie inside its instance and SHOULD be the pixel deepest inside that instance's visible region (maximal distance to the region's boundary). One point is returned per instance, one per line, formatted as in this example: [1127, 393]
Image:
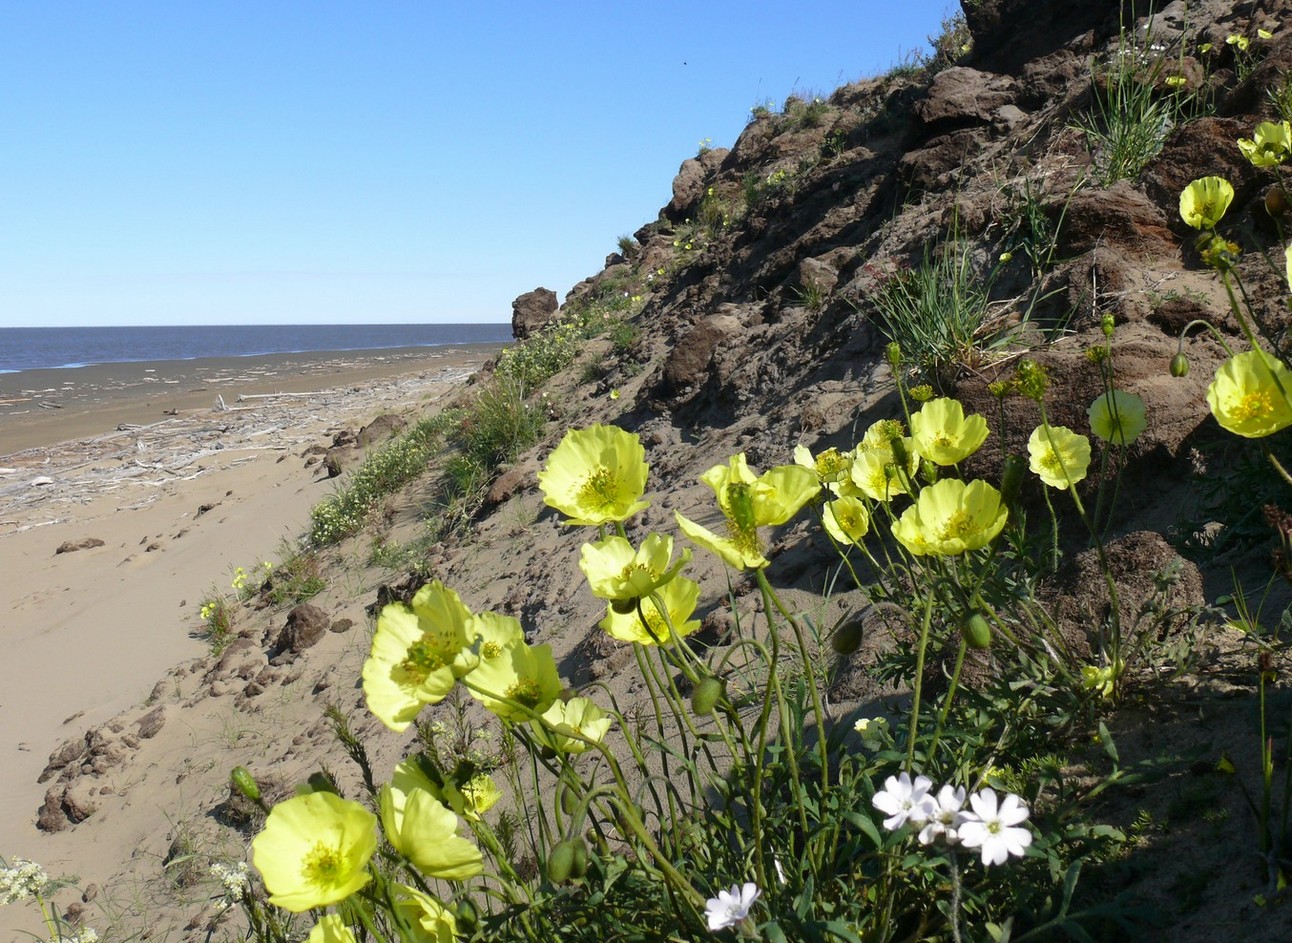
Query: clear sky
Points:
[346, 161]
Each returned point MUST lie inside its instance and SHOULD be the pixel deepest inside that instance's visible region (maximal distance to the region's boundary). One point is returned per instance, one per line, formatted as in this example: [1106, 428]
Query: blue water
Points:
[34, 348]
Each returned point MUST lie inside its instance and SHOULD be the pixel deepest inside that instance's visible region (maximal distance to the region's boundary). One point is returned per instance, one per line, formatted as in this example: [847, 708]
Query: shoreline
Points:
[55, 405]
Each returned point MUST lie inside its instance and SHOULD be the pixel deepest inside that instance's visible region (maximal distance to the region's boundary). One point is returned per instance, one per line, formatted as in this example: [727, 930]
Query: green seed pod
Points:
[977, 631]
[847, 637]
[560, 862]
[705, 697]
[624, 607]
[1107, 324]
[580, 867]
[568, 798]
[893, 353]
[245, 783]
[1179, 366]
[467, 915]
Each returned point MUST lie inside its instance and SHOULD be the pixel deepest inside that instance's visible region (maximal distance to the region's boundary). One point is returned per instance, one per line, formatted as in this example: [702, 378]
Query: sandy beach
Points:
[169, 493]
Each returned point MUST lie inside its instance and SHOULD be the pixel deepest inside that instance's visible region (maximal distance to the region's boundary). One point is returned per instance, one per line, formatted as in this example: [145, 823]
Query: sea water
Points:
[35, 348]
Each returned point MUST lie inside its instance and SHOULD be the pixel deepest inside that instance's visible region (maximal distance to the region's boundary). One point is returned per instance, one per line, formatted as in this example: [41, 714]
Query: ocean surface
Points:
[35, 348]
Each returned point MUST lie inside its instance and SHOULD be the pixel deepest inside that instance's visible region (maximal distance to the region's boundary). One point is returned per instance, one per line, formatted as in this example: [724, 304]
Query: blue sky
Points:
[391, 161]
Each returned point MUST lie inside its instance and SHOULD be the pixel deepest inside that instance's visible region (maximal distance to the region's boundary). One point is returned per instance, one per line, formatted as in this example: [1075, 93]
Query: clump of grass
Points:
[216, 627]
[298, 577]
[936, 310]
[381, 473]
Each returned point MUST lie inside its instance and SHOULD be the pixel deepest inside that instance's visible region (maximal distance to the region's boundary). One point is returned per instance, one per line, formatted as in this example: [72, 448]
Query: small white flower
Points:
[22, 880]
[731, 907]
[903, 801]
[236, 880]
[944, 816]
[996, 830]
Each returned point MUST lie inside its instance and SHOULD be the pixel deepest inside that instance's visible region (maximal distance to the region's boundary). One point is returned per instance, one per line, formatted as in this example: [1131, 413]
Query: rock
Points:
[379, 430]
[306, 624]
[341, 625]
[1121, 217]
[513, 479]
[1008, 33]
[961, 96]
[691, 182]
[688, 362]
[332, 465]
[532, 311]
[71, 546]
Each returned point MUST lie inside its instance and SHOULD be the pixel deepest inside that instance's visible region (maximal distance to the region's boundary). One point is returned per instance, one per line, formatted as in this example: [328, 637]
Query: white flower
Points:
[903, 801]
[21, 880]
[995, 830]
[236, 880]
[731, 907]
[945, 816]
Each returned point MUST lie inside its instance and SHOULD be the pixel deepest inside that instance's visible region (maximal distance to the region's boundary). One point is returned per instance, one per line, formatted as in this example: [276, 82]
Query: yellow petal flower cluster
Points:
[1117, 417]
[521, 679]
[314, 850]
[1249, 395]
[875, 473]
[846, 520]
[564, 719]
[331, 929]
[1058, 456]
[750, 501]
[418, 651]
[430, 920]
[1204, 201]
[943, 434]
[617, 572]
[951, 517]
[833, 468]
[1270, 145]
[423, 829]
[678, 597]
[596, 475]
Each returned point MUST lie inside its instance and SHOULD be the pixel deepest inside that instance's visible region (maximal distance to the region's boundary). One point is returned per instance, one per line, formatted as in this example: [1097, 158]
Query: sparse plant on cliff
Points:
[216, 622]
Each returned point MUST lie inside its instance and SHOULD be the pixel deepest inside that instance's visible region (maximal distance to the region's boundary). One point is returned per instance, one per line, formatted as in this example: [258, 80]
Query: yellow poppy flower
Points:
[678, 597]
[1117, 417]
[331, 929]
[846, 520]
[418, 650]
[1059, 456]
[579, 716]
[875, 472]
[943, 434]
[832, 467]
[425, 831]
[522, 678]
[750, 501]
[314, 850]
[596, 475]
[1249, 395]
[617, 572]
[430, 920]
[951, 517]
[493, 633]
[1204, 201]
[880, 435]
[1271, 145]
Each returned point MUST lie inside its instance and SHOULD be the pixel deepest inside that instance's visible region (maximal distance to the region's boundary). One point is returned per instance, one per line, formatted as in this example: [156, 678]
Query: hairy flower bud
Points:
[705, 697]
[1107, 324]
[977, 631]
[1179, 366]
[1011, 479]
[893, 354]
[245, 783]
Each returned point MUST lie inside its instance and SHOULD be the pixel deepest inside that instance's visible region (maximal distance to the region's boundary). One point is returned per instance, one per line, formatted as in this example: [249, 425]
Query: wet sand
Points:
[45, 407]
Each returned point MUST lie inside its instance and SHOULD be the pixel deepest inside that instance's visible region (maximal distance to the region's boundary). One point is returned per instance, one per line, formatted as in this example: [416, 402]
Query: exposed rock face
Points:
[691, 182]
[531, 311]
